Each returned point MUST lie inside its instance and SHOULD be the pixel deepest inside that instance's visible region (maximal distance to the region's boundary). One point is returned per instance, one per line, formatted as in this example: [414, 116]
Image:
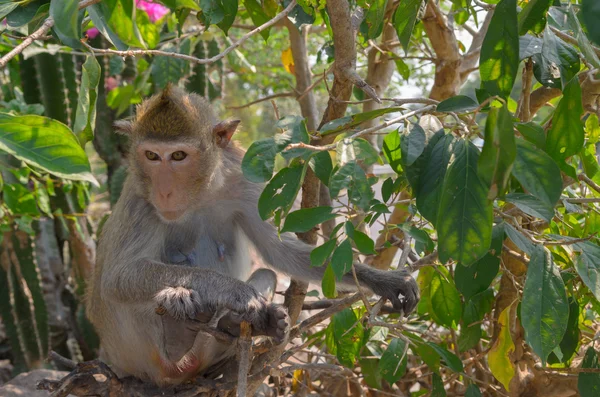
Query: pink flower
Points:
[92, 33]
[110, 84]
[155, 11]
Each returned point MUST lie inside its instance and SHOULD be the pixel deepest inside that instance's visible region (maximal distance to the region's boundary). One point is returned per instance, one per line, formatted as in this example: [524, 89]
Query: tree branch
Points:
[38, 35]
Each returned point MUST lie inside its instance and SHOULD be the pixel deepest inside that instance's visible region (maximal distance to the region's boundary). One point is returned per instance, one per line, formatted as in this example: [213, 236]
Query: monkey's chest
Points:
[226, 253]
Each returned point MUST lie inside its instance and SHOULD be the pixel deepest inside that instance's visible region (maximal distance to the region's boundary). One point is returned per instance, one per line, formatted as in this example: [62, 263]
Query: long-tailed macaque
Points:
[178, 239]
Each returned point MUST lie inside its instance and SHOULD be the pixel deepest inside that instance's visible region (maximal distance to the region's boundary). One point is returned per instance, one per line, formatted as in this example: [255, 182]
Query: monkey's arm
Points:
[292, 256]
[146, 281]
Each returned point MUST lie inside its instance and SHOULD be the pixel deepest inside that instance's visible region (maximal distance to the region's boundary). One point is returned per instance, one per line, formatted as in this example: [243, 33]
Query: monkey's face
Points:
[171, 169]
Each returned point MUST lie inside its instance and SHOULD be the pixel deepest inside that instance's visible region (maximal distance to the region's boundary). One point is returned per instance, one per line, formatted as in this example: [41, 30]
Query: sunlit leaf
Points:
[348, 334]
[404, 20]
[566, 136]
[499, 358]
[445, 301]
[533, 16]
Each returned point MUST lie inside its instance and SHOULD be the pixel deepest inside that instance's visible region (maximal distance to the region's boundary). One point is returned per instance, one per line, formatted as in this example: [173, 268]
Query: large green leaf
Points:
[457, 104]
[570, 341]
[46, 144]
[499, 151]
[566, 136]
[445, 301]
[119, 16]
[588, 266]
[464, 220]
[351, 176]
[358, 149]
[85, 117]
[319, 255]
[545, 308]
[6, 7]
[412, 144]
[583, 42]
[404, 20]
[281, 191]
[590, 13]
[471, 280]
[101, 22]
[391, 150]
[531, 205]
[432, 177]
[257, 14]
[305, 219]
[499, 59]
[372, 25]
[529, 46]
[588, 384]
[537, 172]
[533, 16]
[66, 25]
[558, 62]
[394, 360]
[534, 133]
[437, 386]
[451, 360]
[472, 391]
[167, 69]
[341, 260]
[348, 335]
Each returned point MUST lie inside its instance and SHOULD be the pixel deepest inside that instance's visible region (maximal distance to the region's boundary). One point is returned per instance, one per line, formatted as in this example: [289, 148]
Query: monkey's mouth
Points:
[171, 216]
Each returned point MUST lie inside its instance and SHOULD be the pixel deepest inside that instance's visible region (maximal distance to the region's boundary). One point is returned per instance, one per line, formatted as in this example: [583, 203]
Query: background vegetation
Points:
[457, 138]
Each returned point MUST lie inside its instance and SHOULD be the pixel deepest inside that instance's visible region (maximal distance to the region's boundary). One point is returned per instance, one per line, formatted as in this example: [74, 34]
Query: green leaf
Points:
[499, 357]
[347, 122]
[471, 280]
[521, 241]
[373, 21]
[363, 243]
[432, 178]
[19, 200]
[166, 69]
[85, 118]
[437, 386]
[582, 41]
[119, 16]
[101, 22]
[319, 255]
[149, 31]
[472, 391]
[230, 8]
[351, 176]
[499, 151]
[422, 240]
[257, 15]
[590, 13]
[341, 260]
[558, 62]
[259, 161]
[320, 163]
[588, 266]
[534, 133]
[529, 46]
[445, 301]
[566, 136]
[544, 309]
[464, 220]
[359, 149]
[348, 334]
[570, 341]
[531, 205]
[588, 383]
[537, 172]
[451, 360]
[533, 15]
[46, 144]
[457, 104]
[212, 11]
[404, 20]
[280, 193]
[305, 219]
[66, 25]
[391, 150]
[6, 7]
[412, 144]
[499, 59]
[394, 360]
[470, 333]
[328, 283]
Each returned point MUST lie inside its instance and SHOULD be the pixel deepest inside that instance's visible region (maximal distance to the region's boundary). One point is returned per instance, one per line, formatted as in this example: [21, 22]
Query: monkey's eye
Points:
[152, 156]
[179, 155]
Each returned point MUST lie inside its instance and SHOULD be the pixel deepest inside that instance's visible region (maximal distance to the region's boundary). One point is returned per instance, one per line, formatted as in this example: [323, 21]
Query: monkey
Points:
[178, 239]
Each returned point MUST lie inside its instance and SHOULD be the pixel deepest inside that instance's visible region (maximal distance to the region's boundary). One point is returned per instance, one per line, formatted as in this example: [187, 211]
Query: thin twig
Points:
[267, 98]
[38, 34]
[590, 183]
[189, 58]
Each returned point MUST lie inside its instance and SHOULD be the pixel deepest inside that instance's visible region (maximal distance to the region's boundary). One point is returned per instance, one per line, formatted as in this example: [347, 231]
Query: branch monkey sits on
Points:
[178, 239]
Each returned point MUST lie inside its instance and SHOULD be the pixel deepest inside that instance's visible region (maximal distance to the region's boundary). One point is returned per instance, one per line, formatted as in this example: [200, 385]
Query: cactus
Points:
[22, 304]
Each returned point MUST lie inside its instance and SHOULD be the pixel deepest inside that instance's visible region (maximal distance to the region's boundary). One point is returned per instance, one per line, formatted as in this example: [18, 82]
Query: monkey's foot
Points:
[273, 322]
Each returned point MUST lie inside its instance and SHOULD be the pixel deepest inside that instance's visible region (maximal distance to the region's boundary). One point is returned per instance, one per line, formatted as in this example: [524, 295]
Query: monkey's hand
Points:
[179, 302]
[273, 322]
[398, 286]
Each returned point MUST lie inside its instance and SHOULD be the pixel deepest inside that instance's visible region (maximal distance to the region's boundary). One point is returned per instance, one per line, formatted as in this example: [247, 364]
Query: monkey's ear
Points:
[123, 127]
[224, 131]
